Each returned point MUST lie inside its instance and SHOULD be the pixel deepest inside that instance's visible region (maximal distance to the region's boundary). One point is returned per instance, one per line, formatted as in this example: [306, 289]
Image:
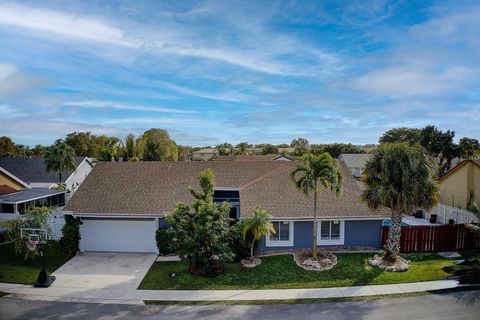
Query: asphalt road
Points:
[457, 306]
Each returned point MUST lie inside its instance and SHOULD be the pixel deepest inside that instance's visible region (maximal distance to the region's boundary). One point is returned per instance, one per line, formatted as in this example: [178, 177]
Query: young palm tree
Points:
[315, 173]
[399, 176]
[60, 158]
[259, 225]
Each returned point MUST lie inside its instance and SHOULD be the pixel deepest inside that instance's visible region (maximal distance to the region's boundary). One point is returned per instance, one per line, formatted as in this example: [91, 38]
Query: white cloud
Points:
[230, 96]
[123, 106]
[12, 80]
[69, 25]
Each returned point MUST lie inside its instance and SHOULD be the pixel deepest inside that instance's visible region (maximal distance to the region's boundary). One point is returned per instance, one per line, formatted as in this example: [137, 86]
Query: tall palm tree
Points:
[134, 147]
[399, 176]
[59, 158]
[317, 172]
[259, 225]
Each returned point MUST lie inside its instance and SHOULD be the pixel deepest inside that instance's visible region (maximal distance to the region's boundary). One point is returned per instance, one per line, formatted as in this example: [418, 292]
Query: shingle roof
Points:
[154, 188]
[31, 169]
[355, 160]
[28, 194]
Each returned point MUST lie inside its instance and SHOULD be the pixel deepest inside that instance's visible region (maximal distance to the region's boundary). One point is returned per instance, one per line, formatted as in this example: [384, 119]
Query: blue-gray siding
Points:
[357, 233]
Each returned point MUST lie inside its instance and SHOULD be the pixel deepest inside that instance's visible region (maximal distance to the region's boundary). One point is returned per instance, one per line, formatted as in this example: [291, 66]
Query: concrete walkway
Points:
[129, 296]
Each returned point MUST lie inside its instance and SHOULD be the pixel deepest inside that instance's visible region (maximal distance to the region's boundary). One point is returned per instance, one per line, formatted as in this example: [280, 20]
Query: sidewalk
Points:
[137, 296]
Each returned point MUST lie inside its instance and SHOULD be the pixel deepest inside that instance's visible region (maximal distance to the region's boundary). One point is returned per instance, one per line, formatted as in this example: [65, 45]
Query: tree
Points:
[242, 148]
[60, 158]
[201, 229]
[107, 154]
[224, 149]
[301, 146]
[335, 149]
[7, 147]
[411, 135]
[269, 149]
[469, 148]
[185, 153]
[133, 147]
[258, 225]
[439, 145]
[399, 176]
[314, 174]
[82, 143]
[159, 146]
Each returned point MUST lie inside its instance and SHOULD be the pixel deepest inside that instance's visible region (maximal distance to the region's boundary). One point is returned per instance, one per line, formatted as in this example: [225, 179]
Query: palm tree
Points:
[134, 147]
[317, 172]
[259, 225]
[60, 158]
[399, 176]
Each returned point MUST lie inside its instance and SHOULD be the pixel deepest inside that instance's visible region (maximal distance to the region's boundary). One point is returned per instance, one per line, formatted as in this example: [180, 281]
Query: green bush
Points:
[71, 235]
[239, 246]
[164, 239]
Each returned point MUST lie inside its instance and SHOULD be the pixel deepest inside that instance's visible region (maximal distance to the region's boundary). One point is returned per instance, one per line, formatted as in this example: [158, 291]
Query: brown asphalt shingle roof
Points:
[154, 188]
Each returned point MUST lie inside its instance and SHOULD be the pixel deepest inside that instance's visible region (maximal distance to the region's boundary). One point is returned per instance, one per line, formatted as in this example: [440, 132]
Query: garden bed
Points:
[281, 272]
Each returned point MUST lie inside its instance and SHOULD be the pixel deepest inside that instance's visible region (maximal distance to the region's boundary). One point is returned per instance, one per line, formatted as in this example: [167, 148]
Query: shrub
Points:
[71, 235]
[240, 246]
[164, 238]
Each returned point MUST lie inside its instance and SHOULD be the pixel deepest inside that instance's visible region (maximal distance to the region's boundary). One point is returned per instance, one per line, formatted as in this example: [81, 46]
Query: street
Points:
[458, 306]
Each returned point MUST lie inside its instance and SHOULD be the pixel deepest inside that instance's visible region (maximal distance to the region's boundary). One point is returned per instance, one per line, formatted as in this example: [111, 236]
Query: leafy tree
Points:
[314, 174]
[82, 143]
[202, 234]
[7, 147]
[185, 153]
[107, 154]
[469, 148]
[399, 176]
[269, 149]
[159, 146]
[283, 145]
[258, 225]
[60, 158]
[133, 147]
[440, 145]
[403, 134]
[224, 149]
[38, 150]
[36, 218]
[301, 146]
[242, 148]
[335, 149]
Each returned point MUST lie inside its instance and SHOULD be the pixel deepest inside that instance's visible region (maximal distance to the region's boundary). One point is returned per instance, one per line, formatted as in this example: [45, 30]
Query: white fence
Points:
[55, 221]
[445, 213]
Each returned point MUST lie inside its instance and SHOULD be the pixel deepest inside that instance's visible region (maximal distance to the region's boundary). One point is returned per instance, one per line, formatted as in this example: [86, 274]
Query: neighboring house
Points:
[355, 162]
[205, 154]
[267, 157]
[33, 172]
[121, 205]
[16, 196]
[461, 185]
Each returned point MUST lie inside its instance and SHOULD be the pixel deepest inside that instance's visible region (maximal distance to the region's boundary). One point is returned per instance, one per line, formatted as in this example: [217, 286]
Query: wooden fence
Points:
[450, 237]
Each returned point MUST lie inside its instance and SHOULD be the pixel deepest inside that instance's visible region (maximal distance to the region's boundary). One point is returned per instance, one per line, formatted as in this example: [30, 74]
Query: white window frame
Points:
[340, 241]
[281, 243]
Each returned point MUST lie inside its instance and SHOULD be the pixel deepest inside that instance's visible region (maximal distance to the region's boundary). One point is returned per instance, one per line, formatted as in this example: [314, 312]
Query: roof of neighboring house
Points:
[12, 176]
[154, 188]
[266, 157]
[355, 160]
[28, 194]
[5, 189]
[458, 166]
[206, 150]
[31, 169]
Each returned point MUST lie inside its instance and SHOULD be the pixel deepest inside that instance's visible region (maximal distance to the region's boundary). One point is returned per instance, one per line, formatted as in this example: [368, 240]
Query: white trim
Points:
[326, 218]
[14, 177]
[113, 215]
[340, 241]
[76, 168]
[278, 243]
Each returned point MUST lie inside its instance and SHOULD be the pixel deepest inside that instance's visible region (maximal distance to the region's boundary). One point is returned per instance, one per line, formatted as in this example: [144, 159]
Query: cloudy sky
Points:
[257, 71]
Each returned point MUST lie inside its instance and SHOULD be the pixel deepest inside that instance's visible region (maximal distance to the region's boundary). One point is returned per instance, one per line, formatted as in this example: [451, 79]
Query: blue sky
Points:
[257, 71]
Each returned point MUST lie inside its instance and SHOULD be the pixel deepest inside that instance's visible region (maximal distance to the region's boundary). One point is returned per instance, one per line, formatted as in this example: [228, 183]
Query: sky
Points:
[229, 71]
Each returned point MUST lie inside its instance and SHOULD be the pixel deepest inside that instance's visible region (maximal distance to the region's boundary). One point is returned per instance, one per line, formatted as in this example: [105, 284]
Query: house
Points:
[121, 205]
[16, 196]
[355, 162]
[33, 172]
[205, 154]
[460, 187]
[267, 157]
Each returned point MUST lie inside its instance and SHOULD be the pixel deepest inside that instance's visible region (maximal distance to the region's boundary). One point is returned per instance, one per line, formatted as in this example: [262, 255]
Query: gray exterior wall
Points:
[357, 233]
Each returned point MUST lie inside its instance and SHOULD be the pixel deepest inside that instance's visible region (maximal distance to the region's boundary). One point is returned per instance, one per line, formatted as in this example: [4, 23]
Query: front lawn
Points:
[15, 269]
[281, 272]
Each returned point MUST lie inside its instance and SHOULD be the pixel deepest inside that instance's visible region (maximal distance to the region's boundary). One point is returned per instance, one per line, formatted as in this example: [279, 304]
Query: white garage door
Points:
[121, 235]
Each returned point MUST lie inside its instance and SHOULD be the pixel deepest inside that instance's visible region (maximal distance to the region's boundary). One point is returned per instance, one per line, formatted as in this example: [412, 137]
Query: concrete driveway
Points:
[104, 270]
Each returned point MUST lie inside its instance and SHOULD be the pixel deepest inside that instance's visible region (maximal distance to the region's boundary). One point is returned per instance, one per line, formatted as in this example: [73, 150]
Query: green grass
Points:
[281, 272]
[15, 269]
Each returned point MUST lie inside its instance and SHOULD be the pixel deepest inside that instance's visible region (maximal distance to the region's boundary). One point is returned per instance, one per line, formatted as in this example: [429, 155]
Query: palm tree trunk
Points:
[251, 249]
[60, 177]
[314, 238]
[392, 247]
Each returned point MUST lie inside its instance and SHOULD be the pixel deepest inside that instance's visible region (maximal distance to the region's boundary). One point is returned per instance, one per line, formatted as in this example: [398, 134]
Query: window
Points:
[283, 236]
[331, 232]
